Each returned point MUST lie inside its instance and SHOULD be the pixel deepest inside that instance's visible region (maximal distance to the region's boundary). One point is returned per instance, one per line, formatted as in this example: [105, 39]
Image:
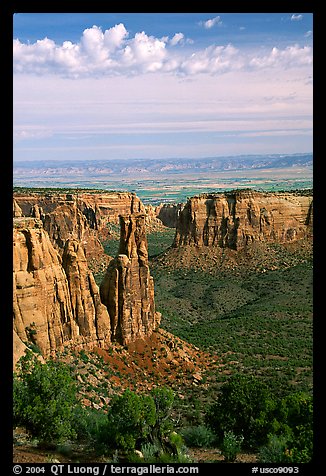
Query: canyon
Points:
[57, 303]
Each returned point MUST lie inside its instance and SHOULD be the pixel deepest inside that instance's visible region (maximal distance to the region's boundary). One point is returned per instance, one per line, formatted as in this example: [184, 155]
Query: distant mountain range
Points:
[153, 167]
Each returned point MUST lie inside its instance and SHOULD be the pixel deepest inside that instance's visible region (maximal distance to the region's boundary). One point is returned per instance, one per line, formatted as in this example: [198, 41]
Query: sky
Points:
[101, 86]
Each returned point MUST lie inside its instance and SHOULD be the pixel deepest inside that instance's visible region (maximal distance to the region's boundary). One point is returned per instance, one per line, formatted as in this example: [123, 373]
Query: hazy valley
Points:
[171, 180]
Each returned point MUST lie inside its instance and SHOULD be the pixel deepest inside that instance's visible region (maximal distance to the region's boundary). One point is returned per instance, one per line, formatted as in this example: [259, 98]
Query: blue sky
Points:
[155, 85]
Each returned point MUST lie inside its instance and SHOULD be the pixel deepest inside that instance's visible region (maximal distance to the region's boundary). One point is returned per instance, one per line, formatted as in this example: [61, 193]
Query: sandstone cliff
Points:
[81, 216]
[128, 288]
[238, 218]
[54, 306]
[97, 207]
[17, 211]
[57, 303]
[168, 214]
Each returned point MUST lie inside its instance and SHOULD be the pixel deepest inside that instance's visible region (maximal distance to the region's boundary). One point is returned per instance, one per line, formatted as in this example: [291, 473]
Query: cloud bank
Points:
[113, 52]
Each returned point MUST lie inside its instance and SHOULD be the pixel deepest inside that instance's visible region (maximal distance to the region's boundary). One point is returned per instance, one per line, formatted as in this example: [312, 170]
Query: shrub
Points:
[136, 420]
[245, 407]
[231, 446]
[44, 398]
[129, 419]
[163, 400]
[274, 451]
[198, 436]
[294, 419]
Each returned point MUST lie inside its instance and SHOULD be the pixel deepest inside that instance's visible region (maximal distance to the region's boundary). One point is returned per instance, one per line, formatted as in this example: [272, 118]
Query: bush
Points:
[134, 421]
[44, 399]
[88, 423]
[130, 419]
[275, 451]
[198, 436]
[294, 420]
[244, 407]
[231, 446]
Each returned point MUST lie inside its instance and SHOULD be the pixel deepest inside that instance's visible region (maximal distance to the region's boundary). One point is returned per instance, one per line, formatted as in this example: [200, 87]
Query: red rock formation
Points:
[81, 216]
[54, 307]
[88, 312]
[235, 219]
[98, 207]
[128, 288]
[57, 303]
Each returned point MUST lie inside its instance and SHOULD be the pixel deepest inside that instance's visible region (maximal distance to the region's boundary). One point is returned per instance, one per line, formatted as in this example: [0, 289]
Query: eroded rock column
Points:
[127, 289]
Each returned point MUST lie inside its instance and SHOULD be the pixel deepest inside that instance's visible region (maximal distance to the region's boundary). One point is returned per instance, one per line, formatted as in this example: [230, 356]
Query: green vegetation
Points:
[248, 411]
[44, 399]
[200, 436]
[231, 446]
[45, 402]
[160, 241]
[261, 321]
[246, 414]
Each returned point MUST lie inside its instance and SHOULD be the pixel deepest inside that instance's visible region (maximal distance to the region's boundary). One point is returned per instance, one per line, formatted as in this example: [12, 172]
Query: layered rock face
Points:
[128, 288]
[56, 302]
[17, 211]
[236, 219]
[80, 216]
[67, 222]
[97, 207]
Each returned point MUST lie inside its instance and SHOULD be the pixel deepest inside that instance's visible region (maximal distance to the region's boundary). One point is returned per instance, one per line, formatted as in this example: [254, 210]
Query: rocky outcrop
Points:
[238, 218]
[57, 303]
[67, 222]
[17, 211]
[81, 216]
[87, 309]
[128, 288]
[97, 207]
[168, 214]
[54, 305]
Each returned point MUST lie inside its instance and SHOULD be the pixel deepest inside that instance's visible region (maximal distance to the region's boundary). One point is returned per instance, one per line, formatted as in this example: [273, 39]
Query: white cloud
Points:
[115, 37]
[211, 22]
[112, 52]
[295, 17]
[308, 34]
[290, 56]
[31, 133]
[146, 53]
[212, 60]
[177, 38]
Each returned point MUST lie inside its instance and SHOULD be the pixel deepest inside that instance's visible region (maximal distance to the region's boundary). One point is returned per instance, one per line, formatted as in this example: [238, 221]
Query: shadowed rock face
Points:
[128, 288]
[168, 214]
[56, 301]
[17, 211]
[236, 219]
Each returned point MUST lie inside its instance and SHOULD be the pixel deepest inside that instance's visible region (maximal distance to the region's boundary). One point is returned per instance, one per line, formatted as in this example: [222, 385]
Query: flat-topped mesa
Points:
[238, 218]
[55, 303]
[127, 288]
